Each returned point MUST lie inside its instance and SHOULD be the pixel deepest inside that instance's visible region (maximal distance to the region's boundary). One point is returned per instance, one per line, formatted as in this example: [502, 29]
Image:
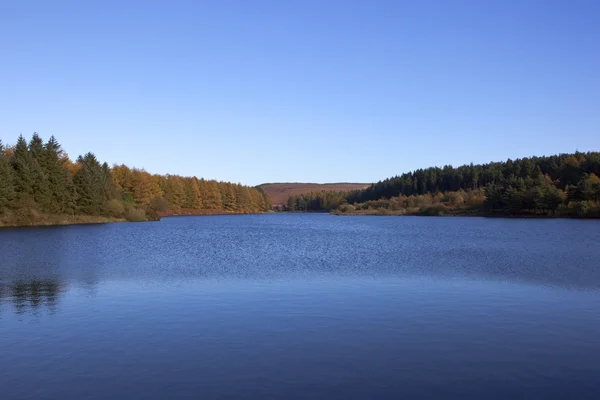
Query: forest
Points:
[324, 200]
[40, 185]
[565, 185]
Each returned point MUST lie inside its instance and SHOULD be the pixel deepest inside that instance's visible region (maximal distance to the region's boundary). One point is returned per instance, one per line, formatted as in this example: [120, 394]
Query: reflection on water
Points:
[34, 296]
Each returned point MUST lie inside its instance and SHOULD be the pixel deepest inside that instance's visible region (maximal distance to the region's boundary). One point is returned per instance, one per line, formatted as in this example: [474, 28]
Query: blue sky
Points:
[317, 91]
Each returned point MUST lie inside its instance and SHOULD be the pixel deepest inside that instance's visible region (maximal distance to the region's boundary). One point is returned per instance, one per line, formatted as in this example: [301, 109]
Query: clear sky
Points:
[319, 91]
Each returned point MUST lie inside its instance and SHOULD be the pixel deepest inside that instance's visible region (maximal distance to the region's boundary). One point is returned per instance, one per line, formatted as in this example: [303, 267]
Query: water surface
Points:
[302, 306]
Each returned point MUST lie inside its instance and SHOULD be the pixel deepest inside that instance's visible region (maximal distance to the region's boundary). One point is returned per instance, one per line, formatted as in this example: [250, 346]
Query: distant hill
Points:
[280, 192]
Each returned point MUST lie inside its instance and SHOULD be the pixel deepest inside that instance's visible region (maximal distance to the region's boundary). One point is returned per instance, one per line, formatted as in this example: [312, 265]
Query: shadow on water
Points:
[33, 297]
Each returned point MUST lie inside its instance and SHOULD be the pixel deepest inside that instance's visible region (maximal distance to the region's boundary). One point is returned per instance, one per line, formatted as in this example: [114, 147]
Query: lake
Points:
[302, 306]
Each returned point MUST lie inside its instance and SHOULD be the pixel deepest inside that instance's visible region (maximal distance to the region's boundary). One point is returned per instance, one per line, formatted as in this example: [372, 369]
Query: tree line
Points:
[38, 178]
[561, 185]
[315, 201]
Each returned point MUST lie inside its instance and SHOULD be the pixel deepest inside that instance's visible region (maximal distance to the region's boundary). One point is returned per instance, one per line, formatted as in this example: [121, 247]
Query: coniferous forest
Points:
[566, 185]
[39, 184]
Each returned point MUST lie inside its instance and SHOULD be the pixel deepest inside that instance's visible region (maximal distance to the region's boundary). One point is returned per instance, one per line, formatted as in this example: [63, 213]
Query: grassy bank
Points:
[182, 212]
[33, 218]
[438, 212]
[428, 211]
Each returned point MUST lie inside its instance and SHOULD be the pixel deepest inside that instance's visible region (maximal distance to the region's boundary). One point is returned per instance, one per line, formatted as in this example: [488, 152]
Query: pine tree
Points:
[7, 188]
[23, 174]
[37, 175]
[291, 203]
[108, 185]
[41, 188]
[36, 145]
[90, 185]
[60, 182]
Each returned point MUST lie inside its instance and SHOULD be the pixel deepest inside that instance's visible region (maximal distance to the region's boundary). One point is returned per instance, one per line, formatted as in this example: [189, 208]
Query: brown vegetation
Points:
[193, 211]
[450, 203]
[34, 218]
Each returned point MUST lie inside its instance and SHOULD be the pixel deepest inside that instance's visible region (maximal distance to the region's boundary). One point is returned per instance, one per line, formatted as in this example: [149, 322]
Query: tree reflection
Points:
[34, 296]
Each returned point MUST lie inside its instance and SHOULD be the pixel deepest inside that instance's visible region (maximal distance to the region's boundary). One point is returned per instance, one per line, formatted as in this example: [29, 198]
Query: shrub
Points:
[434, 210]
[136, 215]
[159, 204]
[345, 208]
[581, 209]
[151, 215]
[115, 208]
[383, 211]
[595, 210]
[128, 198]
[563, 211]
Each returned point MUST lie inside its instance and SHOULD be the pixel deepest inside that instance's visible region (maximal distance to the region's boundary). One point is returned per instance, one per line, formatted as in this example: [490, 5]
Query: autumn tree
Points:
[228, 195]
[141, 187]
[193, 197]
[34, 175]
[122, 178]
[174, 191]
[211, 195]
[590, 187]
[242, 198]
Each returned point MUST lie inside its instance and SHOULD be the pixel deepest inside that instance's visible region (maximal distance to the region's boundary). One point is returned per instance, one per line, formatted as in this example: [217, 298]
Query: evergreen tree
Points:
[62, 191]
[108, 185]
[90, 184]
[36, 146]
[7, 187]
[38, 175]
[23, 175]
[41, 188]
[291, 203]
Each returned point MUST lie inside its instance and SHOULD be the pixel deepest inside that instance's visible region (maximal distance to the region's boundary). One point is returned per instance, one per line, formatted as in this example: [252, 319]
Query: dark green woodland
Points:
[566, 185]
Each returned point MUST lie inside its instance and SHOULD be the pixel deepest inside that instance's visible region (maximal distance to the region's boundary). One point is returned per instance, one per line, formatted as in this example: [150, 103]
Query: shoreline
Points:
[202, 213]
[48, 220]
[474, 214]
[66, 220]
[61, 220]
